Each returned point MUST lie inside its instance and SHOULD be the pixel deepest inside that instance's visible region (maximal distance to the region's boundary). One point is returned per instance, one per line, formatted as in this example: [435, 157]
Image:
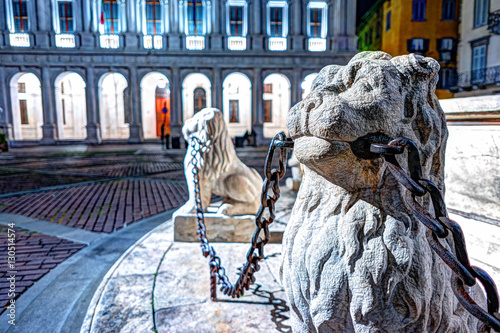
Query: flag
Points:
[102, 16]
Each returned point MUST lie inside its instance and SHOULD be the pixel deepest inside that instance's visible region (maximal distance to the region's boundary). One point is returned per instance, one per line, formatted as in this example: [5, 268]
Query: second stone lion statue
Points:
[220, 171]
[355, 257]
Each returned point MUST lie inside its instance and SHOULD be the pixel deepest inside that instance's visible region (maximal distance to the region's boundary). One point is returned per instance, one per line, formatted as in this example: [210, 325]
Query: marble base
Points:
[220, 228]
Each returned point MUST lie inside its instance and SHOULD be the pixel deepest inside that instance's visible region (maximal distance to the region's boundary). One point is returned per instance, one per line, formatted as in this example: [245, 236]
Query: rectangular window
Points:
[195, 18]
[481, 9]
[417, 45]
[448, 10]
[66, 25]
[20, 15]
[388, 21]
[368, 37]
[21, 88]
[276, 21]
[268, 111]
[110, 17]
[153, 17]
[23, 108]
[447, 78]
[419, 7]
[236, 21]
[268, 88]
[315, 18]
[234, 111]
[63, 111]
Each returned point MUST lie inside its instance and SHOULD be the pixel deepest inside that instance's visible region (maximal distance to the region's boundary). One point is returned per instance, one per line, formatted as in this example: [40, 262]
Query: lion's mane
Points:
[355, 258]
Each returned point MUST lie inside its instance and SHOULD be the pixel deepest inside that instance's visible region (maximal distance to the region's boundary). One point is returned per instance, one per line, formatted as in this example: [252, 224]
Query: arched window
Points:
[200, 99]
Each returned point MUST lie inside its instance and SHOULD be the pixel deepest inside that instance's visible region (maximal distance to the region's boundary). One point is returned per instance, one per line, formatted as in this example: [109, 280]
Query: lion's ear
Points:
[416, 66]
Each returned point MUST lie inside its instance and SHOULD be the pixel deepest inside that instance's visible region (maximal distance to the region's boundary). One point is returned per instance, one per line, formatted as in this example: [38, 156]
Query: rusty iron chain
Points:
[438, 228]
[271, 182]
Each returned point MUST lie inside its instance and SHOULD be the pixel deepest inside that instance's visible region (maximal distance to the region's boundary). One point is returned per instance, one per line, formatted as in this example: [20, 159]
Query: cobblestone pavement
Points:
[101, 191]
[101, 207]
[36, 255]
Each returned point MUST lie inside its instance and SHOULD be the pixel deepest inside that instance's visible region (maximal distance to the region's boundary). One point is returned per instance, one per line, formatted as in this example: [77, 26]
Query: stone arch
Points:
[307, 83]
[27, 107]
[237, 103]
[276, 99]
[113, 116]
[70, 105]
[190, 83]
[155, 97]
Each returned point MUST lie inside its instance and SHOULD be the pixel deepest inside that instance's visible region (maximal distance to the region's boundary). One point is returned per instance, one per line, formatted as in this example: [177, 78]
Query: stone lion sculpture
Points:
[355, 258]
[220, 171]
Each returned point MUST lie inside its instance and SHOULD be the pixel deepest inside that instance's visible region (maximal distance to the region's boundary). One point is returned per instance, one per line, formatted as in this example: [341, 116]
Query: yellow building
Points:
[427, 27]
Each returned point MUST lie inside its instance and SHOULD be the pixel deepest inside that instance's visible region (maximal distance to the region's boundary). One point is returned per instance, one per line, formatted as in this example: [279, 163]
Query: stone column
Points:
[131, 35]
[296, 87]
[88, 37]
[42, 29]
[176, 103]
[218, 24]
[296, 24]
[5, 110]
[174, 36]
[48, 104]
[217, 89]
[134, 105]
[257, 28]
[257, 115]
[93, 127]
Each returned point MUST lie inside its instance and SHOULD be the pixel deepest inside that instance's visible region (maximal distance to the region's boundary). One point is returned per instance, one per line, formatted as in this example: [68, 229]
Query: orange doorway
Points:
[162, 109]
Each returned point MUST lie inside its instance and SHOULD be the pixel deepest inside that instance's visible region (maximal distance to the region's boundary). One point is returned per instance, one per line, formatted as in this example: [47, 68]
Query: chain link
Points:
[262, 220]
[438, 228]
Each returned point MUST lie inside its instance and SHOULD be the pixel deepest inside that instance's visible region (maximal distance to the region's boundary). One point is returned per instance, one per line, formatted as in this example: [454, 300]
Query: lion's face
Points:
[207, 121]
[372, 94]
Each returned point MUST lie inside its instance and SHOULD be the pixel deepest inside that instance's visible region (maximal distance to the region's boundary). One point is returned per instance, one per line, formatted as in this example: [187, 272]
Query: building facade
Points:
[104, 70]
[426, 27]
[479, 49]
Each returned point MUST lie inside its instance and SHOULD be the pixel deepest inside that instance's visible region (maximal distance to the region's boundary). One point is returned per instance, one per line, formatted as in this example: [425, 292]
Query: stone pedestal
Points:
[135, 133]
[258, 43]
[216, 42]
[42, 40]
[131, 41]
[174, 42]
[49, 134]
[220, 228]
[93, 134]
[298, 43]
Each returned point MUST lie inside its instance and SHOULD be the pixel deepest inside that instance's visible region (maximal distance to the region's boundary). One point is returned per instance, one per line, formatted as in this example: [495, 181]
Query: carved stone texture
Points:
[293, 183]
[220, 171]
[355, 258]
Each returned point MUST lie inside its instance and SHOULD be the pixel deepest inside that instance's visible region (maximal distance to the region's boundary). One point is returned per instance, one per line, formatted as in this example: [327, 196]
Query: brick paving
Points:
[130, 169]
[24, 181]
[36, 255]
[101, 207]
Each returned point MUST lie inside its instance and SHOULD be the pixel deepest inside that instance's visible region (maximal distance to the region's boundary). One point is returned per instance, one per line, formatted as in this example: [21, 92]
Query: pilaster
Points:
[133, 96]
[176, 103]
[49, 133]
[93, 127]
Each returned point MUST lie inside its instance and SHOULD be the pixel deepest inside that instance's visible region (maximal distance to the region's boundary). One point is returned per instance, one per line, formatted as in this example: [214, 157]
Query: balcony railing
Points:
[317, 44]
[65, 40]
[151, 42]
[277, 44]
[479, 77]
[494, 22]
[110, 41]
[20, 40]
[237, 43]
[195, 42]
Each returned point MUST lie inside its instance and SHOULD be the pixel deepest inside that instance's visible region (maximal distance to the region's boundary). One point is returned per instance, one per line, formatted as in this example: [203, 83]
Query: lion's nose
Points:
[310, 106]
